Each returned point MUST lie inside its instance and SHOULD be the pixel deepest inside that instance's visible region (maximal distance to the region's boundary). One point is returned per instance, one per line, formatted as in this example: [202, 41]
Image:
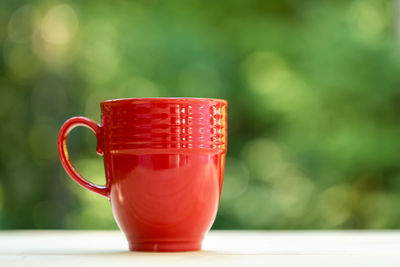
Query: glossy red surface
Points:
[164, 160]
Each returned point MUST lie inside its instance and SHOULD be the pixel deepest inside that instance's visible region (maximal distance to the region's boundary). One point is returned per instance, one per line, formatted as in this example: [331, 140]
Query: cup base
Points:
[162, 246]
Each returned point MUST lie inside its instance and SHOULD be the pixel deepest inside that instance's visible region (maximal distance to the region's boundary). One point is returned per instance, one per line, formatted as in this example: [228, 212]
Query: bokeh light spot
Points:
[380, 210]
[336, 204]
[92, 168]
[255, 207]
[137, 87]
[100, 63]
[293, 193]
[59, 24]
[269, 76]
[368, 18]
[94, 211]
[21, 24]
[236, 179]
[265, 158]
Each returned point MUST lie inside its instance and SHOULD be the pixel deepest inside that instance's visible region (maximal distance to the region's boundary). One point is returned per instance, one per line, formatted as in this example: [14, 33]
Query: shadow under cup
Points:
[164, 160]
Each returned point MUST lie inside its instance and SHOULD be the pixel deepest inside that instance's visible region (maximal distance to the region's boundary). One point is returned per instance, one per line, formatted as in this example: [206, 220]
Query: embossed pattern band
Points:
[165, 124]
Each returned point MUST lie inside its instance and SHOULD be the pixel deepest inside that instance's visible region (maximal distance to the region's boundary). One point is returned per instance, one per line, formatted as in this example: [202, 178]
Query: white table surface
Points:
[220, 248]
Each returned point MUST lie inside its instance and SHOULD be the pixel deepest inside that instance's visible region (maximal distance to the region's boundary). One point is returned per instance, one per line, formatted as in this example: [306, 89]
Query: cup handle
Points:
[64, 156]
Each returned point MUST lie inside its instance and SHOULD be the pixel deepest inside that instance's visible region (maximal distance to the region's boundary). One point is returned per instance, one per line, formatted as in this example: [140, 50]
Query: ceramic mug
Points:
[164, 162]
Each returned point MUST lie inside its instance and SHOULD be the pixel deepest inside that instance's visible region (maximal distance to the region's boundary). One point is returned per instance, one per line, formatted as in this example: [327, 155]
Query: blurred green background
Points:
[314, 104]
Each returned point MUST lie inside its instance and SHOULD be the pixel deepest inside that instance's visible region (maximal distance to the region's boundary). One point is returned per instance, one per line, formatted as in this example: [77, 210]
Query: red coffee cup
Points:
[164, 161]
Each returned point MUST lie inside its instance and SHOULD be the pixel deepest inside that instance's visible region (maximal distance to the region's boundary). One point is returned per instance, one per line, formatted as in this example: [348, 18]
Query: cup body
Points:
[164, 160]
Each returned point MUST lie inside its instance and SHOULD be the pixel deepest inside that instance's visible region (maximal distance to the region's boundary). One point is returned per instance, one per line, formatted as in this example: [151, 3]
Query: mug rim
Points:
[163, 99]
